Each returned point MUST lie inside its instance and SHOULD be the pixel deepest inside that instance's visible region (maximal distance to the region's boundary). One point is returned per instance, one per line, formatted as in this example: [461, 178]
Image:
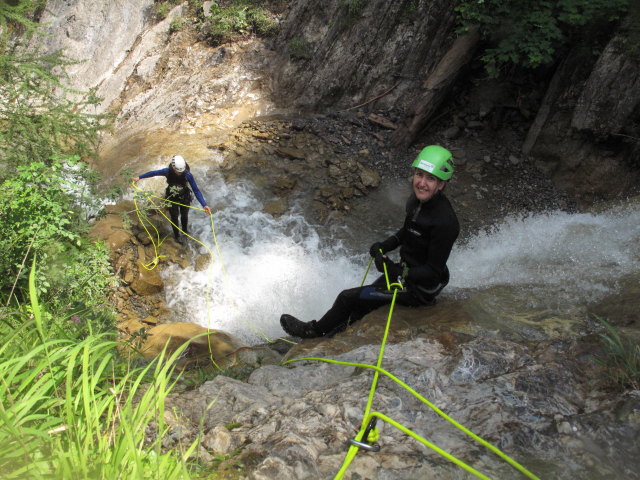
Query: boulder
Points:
[205, 344]
[147, 283]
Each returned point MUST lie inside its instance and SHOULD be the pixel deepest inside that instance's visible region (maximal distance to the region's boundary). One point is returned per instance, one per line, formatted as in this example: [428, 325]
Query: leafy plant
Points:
[71, 408]
[236, 19]
[528, 34]
[43, 213]
[177, 24]
[163, 7]
[622, 356]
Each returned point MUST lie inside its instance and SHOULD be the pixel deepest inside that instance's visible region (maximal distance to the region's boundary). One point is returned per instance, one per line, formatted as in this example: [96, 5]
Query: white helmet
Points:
[178, 163]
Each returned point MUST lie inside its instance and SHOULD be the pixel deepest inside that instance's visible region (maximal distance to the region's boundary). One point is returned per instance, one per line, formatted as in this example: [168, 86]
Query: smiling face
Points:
[425, 185]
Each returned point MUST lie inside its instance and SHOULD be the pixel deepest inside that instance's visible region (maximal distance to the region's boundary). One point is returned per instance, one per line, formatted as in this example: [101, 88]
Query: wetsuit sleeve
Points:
[431, 272]
[196, 190]
[155, 173]
[392, 242]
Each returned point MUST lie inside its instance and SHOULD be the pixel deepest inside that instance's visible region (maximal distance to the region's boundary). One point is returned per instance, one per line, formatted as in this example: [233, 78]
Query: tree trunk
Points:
[545, 109]
[437, 86]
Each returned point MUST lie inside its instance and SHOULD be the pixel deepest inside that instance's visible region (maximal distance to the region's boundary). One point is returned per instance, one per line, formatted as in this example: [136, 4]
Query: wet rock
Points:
[202, 262]
[148, 282]
[292, 153]
[276, 208]
[204, 344]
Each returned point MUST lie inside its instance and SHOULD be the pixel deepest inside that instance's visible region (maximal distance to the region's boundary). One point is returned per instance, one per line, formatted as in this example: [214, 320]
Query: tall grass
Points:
[622, 356]
[74, 409]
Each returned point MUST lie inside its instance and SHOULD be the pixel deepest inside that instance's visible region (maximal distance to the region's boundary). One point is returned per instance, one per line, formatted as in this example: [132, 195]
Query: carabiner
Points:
[365, 446]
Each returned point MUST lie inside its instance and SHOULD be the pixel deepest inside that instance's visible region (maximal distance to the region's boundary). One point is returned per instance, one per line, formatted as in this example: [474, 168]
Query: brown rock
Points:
[292, 153]
[370, 178]
[131, 326]
[147, 283]
[202, 262]
[276, 208]
[118, 239]
[206, 344]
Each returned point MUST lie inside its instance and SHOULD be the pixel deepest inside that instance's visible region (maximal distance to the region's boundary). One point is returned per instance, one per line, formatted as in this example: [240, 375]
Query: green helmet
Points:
[436, 160]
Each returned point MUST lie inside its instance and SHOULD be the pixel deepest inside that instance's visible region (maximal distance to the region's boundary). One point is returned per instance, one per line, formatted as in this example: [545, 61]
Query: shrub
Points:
[528, 34]
[238, 18]
[42, 213]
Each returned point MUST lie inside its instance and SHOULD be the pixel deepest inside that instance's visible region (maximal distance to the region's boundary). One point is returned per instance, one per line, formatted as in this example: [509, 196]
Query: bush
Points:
[528, 34]
[238, 18]
[42, 214]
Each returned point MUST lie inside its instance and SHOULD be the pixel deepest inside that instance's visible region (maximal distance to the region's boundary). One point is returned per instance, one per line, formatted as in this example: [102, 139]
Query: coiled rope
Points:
[156, 241]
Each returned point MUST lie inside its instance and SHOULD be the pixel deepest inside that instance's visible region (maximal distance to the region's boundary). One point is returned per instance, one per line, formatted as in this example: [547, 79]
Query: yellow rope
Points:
[368, 415]
[155, 261]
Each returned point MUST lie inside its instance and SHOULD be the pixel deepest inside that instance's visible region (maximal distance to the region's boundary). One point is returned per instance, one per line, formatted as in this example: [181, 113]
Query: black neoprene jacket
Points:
[425, 240]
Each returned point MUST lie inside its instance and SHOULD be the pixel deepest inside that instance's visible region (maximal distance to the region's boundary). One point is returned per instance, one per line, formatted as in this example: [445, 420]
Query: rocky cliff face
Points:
[582, 122]
[331, 56]
[336, 55]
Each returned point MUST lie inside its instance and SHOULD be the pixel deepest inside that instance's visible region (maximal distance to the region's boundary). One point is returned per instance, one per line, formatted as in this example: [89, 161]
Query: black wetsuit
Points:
[425, 242]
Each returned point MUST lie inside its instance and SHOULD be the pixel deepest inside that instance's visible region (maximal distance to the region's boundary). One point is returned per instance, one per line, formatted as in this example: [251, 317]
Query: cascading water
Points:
[563, 258]
[267, 266]
[263, 267]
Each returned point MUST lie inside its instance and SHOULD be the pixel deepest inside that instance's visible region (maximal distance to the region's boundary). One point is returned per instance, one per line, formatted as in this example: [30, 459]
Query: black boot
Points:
[297, 328]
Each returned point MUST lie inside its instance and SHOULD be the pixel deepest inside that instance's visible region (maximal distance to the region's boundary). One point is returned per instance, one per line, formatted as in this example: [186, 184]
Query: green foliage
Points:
[43, 214]
[38, 117]
[622, 356]
[235, 19]
[177, 24]
[528, 34]
[15, 17]
[299, 48]
[72, 408]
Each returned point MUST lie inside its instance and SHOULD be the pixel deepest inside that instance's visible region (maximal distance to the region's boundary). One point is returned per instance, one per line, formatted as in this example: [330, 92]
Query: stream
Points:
[517, 272]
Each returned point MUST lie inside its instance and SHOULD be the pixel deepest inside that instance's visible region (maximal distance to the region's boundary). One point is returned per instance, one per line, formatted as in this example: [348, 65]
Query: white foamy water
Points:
[563, 257]
[265, 267]
[269, 266]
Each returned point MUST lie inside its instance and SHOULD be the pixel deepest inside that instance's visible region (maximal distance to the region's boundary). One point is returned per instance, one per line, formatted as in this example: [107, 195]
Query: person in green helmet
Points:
[425, 241]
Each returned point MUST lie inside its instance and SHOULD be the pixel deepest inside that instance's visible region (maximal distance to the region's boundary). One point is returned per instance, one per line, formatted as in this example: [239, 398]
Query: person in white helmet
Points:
[178, 174]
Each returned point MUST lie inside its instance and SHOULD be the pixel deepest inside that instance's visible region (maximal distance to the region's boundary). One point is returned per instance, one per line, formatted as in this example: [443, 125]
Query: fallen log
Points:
[436, 87]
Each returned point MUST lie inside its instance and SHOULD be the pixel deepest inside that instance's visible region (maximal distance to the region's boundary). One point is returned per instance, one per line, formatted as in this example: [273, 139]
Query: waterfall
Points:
[267, 266]
[554, 257]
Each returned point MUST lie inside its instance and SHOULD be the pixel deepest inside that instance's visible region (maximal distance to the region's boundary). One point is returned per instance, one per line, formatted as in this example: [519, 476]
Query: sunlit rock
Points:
[147, 282]
[204, 344]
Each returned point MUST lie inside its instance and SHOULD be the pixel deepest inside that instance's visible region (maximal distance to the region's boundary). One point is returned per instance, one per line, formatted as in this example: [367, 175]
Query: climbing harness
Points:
[368, 434]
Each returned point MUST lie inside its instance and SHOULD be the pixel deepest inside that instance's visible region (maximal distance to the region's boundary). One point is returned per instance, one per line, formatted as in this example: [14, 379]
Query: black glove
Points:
[394, 270]
[375, 249]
